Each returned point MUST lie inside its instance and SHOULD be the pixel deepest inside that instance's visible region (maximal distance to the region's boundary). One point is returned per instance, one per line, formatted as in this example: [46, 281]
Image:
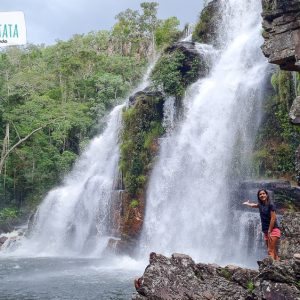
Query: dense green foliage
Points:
[201, 27]
[175, 71]
[167, 32]
[8, 214]
[278, 138]
[206, 29]
[52, 98]
[142, 126]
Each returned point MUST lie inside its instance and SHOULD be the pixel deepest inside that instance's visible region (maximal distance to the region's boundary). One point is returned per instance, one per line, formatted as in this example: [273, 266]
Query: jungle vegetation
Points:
[53, 99]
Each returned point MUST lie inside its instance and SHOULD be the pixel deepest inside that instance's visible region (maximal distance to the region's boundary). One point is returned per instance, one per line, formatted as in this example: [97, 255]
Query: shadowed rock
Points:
[294, 113]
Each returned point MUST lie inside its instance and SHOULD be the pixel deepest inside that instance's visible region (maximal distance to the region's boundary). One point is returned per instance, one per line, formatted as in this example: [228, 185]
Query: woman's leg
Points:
[272, 247]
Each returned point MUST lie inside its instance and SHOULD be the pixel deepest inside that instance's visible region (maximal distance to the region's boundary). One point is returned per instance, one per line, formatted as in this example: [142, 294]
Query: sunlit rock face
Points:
[281, 31]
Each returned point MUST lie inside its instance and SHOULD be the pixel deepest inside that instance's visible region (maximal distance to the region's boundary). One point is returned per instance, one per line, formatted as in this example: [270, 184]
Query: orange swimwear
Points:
[275, 232]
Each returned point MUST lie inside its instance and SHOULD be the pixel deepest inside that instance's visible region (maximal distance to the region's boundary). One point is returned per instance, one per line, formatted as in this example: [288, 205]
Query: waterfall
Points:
[189, 198]
[73, 219]
[76, 218]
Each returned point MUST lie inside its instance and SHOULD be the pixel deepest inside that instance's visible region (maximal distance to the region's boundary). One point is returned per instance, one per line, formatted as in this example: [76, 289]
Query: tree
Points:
[127, 30]
[149, 21]
[167, 32]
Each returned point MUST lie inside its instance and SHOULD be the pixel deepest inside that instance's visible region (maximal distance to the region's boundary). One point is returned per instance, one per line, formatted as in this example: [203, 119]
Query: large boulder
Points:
[278, 279]
[178, 67]
[179, 277]
[281, 24]
[192, 55]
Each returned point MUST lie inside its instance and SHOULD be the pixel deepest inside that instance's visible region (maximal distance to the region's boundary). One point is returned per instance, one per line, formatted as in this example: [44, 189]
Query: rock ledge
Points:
[179, 277]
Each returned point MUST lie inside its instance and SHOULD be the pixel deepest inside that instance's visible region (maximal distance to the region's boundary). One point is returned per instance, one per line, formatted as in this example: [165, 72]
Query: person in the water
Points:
[269, 222]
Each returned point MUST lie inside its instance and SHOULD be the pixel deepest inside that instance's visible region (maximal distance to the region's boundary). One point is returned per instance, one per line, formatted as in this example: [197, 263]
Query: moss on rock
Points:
[278, 139]
[142, 127]
[178, 67]
[206, 28]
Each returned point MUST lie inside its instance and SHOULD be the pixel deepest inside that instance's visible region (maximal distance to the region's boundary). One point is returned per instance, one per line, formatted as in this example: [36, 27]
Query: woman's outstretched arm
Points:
[252, 205]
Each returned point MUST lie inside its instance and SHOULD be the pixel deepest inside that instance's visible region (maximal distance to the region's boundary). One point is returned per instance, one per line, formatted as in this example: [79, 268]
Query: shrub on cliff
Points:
[142, 126]
[278, 139]
[175, 70]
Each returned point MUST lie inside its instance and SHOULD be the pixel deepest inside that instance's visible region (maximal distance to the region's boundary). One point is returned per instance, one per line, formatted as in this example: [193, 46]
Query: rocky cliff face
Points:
[142, 128]
[290, 244]
[281, 24]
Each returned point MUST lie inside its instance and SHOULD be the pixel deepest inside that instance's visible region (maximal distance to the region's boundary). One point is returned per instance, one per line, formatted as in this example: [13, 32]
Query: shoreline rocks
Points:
[179, 277]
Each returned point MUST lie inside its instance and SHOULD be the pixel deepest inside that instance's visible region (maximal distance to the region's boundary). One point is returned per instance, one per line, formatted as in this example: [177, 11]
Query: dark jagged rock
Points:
[185, 47]
[206, 30]
[281, 24]
[290, 244]
[178, 67]
[2, 240]
[294, 113]
[278, 279]
[145, 96]
[179, 277]
[191, 53]
[291, 224]
[297, 166]
[268, 184]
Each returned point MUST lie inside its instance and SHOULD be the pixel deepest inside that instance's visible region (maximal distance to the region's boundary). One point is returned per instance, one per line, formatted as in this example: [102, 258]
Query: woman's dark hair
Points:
[268, 198]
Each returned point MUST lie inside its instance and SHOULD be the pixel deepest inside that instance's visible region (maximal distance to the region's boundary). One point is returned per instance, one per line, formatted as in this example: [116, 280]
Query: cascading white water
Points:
[188, 199]
[75, 218]
[66, 219]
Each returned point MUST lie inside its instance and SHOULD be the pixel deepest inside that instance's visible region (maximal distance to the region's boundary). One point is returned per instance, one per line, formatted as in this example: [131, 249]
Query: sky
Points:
[50, 20]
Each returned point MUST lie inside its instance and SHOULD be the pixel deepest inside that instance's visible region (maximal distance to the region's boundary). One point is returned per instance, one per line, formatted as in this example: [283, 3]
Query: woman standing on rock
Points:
[269, 223]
